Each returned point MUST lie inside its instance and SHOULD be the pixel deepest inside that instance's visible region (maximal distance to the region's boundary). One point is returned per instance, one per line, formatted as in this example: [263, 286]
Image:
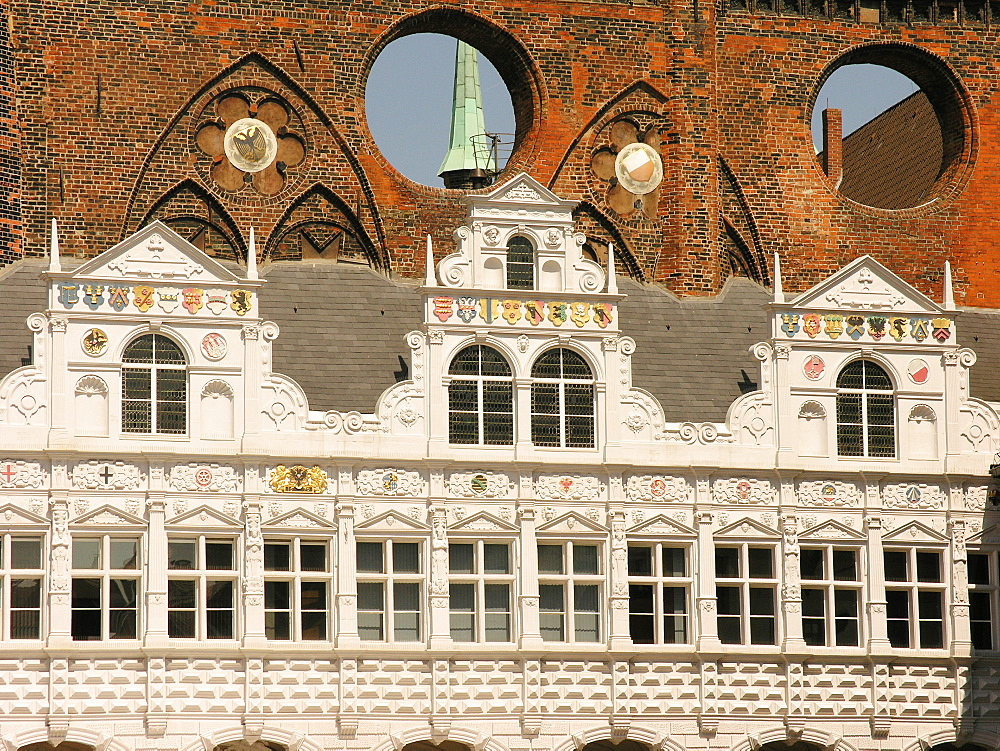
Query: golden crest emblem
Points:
[94, 342]
[298, 479]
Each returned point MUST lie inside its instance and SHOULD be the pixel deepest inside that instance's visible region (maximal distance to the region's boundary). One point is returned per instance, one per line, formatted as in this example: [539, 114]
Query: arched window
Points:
[562, 400]
[866, 411]
[520, 264]
[154, 386]
[480, 398]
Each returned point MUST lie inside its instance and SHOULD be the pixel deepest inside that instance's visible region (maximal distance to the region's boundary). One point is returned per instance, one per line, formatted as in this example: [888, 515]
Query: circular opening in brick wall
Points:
[409, 103]
[890, 126]
[410, 88]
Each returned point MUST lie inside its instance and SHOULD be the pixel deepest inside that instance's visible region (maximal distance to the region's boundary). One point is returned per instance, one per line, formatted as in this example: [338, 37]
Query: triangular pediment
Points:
[205, 516]
[988, 536]
[157, 254]
[483, 522]
[662, 525]
[832, 530]
[863, 285]
[12, 516]
[748, 527]
[914, 532]
[108, 515]
[299, 519]
[572, 523]
[522, 189]
[393, 520]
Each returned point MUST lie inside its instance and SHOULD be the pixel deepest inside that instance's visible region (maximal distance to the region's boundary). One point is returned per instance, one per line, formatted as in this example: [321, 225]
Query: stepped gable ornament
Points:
[298, 479]
[16, 475]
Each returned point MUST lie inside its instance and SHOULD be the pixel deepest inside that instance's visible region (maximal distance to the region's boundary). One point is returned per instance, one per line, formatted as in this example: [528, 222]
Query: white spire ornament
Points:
[949, 292]
[252, 256]
[54, 264]
[779, 293]
[612, 276]
[430, 280]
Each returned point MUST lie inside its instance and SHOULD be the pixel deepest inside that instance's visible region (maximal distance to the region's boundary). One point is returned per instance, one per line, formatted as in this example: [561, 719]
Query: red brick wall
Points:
[111, 94]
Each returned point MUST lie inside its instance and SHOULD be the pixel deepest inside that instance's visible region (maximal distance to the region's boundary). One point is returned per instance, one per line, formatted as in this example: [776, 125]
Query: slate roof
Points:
[343, 330]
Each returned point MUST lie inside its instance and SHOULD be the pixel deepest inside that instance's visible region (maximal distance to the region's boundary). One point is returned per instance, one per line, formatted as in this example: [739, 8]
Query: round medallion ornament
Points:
[658, 488]
[639, 168]
[203, 477]
[918, 371]
[95, 342]
[390, 481]
[250, 145]
[479, 484]
[814, 367]
[213, 346]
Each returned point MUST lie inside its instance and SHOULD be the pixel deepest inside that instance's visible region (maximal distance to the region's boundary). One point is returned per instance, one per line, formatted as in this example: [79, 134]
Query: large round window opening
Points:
[440, 112]
[889, 126]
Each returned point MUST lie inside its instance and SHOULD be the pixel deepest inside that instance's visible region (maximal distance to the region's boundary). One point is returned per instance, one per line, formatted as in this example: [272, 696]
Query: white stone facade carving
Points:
[479, 485]
[109, 475]
[658, 488]
[390, 482]
[742, 491]
[568, 487]
[829, 493]
[204, 478]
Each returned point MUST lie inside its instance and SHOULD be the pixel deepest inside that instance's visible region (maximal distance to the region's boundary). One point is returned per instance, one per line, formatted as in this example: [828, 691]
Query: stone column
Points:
[706, 616]
[619, 636]
[440, 620]
[961, 630]
[531, 636]
[253, 575]
[791, 589]
[61, 406]
[878, 639]
[60, 584]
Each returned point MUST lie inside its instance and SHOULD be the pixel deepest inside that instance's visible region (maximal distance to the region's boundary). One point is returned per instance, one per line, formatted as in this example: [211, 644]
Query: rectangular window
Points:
[390, 591]
[983, 594]
[914, 593]
[659, 590]
[107, 573]
[201, 588]
[21, 573]
[831, 596]
[570, 584]
[296, 590]
[746, 586]
[480, 589]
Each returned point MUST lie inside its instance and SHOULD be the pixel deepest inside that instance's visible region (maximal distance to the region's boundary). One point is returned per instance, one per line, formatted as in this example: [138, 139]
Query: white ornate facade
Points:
[522, 555]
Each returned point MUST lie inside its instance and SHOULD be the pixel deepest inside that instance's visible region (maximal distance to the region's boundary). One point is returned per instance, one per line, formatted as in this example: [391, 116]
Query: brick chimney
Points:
[833, 144]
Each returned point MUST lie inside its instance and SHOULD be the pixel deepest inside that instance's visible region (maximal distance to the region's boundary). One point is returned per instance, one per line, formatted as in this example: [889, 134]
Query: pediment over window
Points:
[483, 522]
[205, 517]
[832, 530]
[661, 525]
[747, 528]
[109, 516]
[914, 532]
[14, 517]
[572, 524]
[392, 521]
[298, 519]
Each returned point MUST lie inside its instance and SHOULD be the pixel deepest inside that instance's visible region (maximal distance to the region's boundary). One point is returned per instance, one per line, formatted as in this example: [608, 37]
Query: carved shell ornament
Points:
[248, 137]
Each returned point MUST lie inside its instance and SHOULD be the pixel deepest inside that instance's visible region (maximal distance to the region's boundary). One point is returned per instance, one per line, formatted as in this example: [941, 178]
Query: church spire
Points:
[468, 164]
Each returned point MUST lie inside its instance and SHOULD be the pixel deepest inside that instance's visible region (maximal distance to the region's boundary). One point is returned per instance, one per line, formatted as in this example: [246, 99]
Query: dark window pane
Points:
[314, 626]
[181, 555]
[277, 556]
[845, 565]
[86, 593]
[461, 558]
[898, 604]
[851, 377]
[86, 625]
[124, 554]
[520, 264]
[896, 568]
[406, 557]
[181, 624]
[729, 630]
[25, 624]
[551, 597]
[585, 559]
[26, 554]
[277, 625]
[550, 559]
[276, 595]
[370, 557]
[811, 562]
[727, 563]
[25, 593]
[760, 561]
[979, 568]
[761, 630]
[180, 593]
[496, 559]
[219, 594]
[674, 562]
[813, 603]
[730, 602]
[761, 601]
[370, 596]
[123, 593]
[313, 596]
[219, 556]
[86, 553]
[928, 567]
[312, 557]
[640, 598]
[220, 624]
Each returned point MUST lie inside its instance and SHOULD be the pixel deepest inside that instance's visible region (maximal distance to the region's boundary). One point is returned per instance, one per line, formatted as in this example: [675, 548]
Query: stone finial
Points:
[949, 292]
[429, 279]
[779, 293]
[54, 264]
[252, 256]
[612, 276]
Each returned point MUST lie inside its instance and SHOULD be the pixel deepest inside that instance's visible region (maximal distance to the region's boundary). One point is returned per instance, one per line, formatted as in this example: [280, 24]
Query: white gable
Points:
[865, 284]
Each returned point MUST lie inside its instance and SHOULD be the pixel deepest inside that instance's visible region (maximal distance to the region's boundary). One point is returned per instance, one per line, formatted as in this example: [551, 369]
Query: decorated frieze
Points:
[297, 479]
[975, 497]
[390, 482]
[144, 298]
[657, 488]
[568, 487]
[552, 313]
[913, 496]
[204, 477]
[743, 491]
[829, 493]
[867, 327]
[97, 475]
[479, 485]
[18, 475]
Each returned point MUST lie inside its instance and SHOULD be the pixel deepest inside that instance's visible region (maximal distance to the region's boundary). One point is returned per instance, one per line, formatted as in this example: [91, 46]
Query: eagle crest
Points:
[250, 143]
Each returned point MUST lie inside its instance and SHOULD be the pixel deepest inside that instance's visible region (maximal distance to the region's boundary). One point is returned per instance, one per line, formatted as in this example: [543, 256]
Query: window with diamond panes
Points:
[569, 589]
[562, 400]
[745, 588]
[480, 398]
[914, 593]
[390, 591]
[154, 386]
[984, 608]
[479, 591]
[201, 588]
[105, 588]
[866, 411]
[831, 596]
[22, 570]
[520, 263]
[296, 590]
[659, 586]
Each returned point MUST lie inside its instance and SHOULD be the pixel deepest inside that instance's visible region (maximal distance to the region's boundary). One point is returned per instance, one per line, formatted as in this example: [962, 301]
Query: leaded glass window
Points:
[154, 386]
[562, 400]
[866, 411]
[480, 398]
[520, 264]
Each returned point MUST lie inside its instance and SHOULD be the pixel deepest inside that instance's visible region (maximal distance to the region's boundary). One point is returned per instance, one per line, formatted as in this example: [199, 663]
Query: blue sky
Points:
[410, 87]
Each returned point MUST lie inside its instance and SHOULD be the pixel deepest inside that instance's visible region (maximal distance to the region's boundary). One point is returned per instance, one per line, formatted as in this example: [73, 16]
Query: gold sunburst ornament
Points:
[250, 144]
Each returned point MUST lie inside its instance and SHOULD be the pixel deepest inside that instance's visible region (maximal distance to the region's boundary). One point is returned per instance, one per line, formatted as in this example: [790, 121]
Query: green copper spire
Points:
[465, 156]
